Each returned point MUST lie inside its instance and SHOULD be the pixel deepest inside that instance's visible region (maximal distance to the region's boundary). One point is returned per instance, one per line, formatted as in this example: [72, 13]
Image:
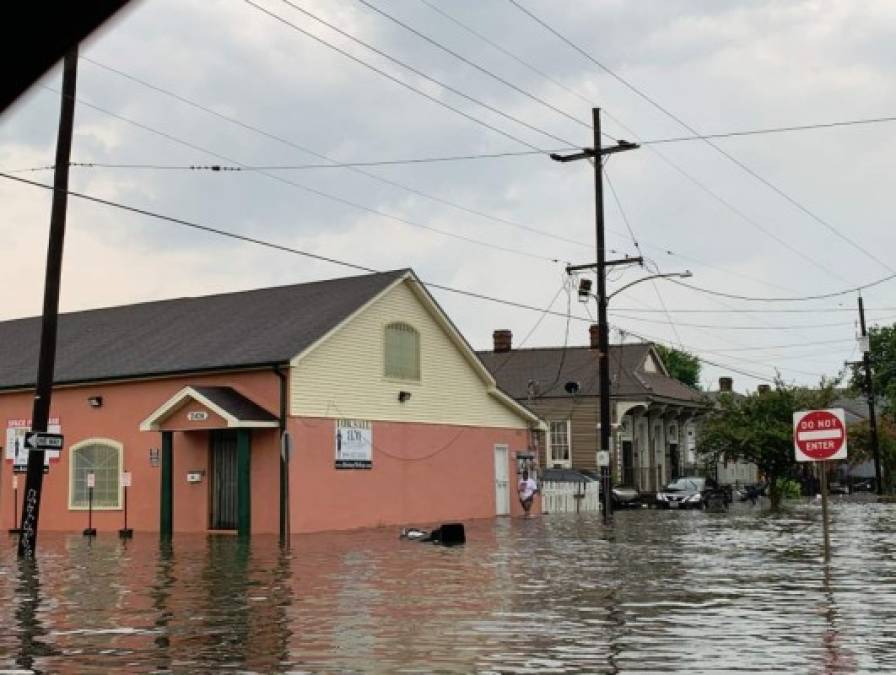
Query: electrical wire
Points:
[342, 263]
[470, 63]
[412, 69]
[833, 230]
[715, 326]
[805, 298]
[289, 143]
[638, 249]
[315, 191]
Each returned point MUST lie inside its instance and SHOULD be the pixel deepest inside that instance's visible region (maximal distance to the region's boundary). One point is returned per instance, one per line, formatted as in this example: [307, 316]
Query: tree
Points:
[758, 428]
[683, 366]
[883, 366]
[859, 445]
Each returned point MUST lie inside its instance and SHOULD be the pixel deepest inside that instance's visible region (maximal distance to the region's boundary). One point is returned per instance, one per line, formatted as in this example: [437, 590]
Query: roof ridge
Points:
[246, 291]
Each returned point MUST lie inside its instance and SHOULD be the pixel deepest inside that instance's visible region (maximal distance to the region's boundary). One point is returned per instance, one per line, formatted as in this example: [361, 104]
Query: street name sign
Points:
[41, 440]
[819, 435]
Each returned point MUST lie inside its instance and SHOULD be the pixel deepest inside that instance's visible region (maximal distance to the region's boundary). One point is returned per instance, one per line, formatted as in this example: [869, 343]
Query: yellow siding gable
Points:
[343, 375]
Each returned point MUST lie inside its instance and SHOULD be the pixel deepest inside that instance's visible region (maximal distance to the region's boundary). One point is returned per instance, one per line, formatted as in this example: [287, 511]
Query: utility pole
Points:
[603, 367]
[869, 392]
[40, 416]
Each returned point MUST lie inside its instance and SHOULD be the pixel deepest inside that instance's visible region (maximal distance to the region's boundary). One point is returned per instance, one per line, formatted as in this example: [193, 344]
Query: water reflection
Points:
[659, 591]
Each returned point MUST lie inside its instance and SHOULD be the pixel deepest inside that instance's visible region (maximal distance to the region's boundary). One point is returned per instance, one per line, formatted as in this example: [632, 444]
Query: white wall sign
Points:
[91, 480]
[125, 479]
[15, 451]
[197, 416]
[354, 444]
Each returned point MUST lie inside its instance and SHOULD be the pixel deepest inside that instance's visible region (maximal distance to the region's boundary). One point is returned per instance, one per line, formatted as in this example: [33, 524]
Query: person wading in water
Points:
[527, 489]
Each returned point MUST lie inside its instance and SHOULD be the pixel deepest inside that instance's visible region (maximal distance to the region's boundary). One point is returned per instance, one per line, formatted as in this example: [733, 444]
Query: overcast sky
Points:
[718, 65]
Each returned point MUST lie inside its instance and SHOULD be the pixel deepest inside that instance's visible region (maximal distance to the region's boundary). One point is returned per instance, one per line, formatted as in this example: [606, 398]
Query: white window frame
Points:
[386, 374]
[565, 463]
[72, 450]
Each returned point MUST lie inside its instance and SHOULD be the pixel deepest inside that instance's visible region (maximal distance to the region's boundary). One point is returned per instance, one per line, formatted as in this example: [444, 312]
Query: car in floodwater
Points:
[626, 497]
[682, 493]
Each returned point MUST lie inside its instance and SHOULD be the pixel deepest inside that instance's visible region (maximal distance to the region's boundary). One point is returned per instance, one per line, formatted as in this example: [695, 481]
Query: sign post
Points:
[91, 483]
[15, 506]
[820, 436]
[125, 480]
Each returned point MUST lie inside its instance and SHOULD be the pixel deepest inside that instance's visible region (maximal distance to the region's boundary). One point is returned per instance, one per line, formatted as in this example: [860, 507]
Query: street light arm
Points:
[683, 275]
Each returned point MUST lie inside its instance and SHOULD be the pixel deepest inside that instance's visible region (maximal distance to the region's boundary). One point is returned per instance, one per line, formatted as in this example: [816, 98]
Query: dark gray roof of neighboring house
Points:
[227, 331]
[552, 367]
[234, 403]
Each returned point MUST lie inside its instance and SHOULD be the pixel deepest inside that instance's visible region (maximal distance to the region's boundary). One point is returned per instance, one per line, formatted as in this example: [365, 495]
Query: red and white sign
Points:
[125, 479]
[91, 480]
[819, 435]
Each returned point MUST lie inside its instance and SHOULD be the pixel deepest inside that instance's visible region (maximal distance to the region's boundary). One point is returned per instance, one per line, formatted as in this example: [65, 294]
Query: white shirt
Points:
[527, 488]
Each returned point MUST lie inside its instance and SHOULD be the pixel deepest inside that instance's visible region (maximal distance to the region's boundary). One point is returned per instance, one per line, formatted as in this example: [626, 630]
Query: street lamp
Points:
[680, 275]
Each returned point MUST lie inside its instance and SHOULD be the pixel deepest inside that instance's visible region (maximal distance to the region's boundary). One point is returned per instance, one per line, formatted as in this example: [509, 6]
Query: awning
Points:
[202, 407]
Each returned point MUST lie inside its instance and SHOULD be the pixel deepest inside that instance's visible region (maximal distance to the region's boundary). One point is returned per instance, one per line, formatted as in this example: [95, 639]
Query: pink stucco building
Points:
[346, 403]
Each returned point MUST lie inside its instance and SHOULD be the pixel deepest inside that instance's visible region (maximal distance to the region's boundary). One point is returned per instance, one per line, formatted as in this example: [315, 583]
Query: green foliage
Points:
[759, 428]
[883, 366]
[683, 366]
[859, 444]
[788, 489]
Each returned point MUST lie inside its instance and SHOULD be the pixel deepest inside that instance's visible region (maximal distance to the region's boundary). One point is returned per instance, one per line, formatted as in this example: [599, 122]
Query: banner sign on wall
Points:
[15, 451]
[354, 444]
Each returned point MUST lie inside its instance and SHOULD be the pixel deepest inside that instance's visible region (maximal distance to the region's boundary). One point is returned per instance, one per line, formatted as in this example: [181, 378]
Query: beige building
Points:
[653, 415]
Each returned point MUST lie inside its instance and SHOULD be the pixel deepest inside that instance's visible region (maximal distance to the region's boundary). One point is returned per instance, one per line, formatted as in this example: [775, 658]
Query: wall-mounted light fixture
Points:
[95, 401]
[403, 396]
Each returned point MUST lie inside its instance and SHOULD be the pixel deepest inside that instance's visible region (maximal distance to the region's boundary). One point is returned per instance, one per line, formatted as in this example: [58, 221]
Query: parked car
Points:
[626, 497]
[682, 493]
[837, 488]
[863, 485]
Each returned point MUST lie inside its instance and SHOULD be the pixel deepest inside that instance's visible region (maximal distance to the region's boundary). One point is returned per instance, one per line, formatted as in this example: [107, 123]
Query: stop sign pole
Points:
[820, 436]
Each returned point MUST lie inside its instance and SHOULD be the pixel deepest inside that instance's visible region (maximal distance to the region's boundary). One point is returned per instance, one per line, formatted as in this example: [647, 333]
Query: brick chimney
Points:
[594, 333]
[503, 339]
[726, 384]
[764, 388]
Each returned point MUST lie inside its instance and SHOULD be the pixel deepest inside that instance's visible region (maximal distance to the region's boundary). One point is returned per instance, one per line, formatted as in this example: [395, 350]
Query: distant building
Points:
[729, 471]
[390, 416]
[653, 414]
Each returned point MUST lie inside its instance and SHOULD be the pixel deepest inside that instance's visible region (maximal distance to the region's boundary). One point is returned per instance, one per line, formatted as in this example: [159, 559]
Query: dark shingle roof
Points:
[233, 402]
[515, 369]
[232, 330]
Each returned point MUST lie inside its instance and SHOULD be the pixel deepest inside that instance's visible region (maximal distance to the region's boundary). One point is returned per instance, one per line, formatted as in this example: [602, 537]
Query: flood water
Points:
[658, 591]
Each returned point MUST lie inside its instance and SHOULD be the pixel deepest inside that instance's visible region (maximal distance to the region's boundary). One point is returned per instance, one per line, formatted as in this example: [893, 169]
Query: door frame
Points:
[503, 449]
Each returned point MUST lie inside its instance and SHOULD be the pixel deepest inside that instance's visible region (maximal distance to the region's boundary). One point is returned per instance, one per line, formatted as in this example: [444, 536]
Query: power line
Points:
[821, 296]
[470, 63]
[789, 346]
[342, 263]
[707, 140]
[416, 71]
[714, 326]
[356, 169]
[314, 191]
[772, 130]
[665, 159]
[756, 311]
[653, 283]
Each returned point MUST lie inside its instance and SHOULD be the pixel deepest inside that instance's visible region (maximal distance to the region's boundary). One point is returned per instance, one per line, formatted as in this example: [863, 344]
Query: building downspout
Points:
[284, 458]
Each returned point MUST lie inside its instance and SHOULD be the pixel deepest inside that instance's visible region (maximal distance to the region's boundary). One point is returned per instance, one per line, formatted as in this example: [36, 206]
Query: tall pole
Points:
[603, 365]
[40, 415]
[869, 392]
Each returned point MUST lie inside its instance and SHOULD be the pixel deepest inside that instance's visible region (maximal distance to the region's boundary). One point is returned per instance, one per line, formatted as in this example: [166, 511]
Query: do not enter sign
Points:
[819, 435]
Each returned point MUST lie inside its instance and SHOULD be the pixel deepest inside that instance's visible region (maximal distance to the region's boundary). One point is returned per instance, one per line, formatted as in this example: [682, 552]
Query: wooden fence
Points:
[569, 497]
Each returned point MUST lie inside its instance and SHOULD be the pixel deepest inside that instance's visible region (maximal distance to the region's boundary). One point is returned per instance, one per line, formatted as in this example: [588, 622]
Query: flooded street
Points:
[666, 591]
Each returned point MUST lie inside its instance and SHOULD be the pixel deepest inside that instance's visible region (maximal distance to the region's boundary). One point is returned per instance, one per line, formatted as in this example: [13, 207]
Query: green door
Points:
[224, 480]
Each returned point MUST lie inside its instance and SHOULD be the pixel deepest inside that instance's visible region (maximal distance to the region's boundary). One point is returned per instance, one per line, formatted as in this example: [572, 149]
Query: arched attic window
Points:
[402, 352]
[103, 458]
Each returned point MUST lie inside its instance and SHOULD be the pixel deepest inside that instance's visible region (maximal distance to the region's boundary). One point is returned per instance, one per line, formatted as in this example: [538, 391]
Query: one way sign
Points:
[42, 440]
